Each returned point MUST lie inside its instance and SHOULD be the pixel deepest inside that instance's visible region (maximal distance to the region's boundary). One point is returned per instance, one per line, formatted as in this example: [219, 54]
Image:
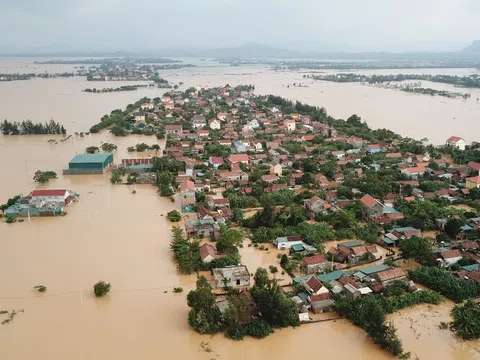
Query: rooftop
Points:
[90, 158]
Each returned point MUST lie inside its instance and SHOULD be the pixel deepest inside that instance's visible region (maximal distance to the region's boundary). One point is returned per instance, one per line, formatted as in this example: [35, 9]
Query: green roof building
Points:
[89, 164]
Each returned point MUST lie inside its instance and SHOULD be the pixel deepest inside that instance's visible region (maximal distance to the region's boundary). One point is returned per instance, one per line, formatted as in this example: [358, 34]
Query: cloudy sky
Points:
[351, 25]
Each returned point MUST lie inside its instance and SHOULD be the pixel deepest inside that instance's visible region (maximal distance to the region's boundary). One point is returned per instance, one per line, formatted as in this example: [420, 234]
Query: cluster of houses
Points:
[42, 203]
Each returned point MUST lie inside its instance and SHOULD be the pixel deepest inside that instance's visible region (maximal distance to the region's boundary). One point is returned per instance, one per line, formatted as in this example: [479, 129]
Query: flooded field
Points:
[122, 238]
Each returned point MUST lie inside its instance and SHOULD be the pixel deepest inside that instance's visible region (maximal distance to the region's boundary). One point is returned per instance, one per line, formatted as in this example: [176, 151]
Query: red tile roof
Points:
[390, 274]
[449, 254]
[454, 139]
[368, 200]
[314, 284]
[320, 297]
[206, 250]
[474, 165]
[315, 259]
[187, 185]
[344, 280]
[48, 192]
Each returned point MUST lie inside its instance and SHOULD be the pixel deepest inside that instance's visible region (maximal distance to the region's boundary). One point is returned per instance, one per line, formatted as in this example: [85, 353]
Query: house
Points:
[287, 242]
[457, 142]
[139, 116]
[240, 146]
[199, 122]
[315, 286]
[370, 207]
[236, 175]
[314, 264]
[321, 303]
[215, 161]
[450, 257]
[356, 142]
[173, 129]
[269, 178]
[222, 116]
[148, 106]
[207, 253]
[275, 168]
[50, 195]
[233, 276]
[474, 168]
[253, 124]
[314, 204]
[238, 158]
[472, 182]
[187, 194]
[386, 277]
[289, 124]
[215, 124]
[414, 172]
[373, 148]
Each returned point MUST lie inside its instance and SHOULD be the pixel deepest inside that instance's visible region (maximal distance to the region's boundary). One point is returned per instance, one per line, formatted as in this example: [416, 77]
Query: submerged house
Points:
[42, 203]
[234, 276]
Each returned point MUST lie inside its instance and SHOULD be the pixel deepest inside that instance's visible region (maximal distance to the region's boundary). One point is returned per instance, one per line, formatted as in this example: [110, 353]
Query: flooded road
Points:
[122, 238]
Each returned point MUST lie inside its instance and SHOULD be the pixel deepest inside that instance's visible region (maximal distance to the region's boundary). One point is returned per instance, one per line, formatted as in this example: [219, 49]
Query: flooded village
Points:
[290, 223]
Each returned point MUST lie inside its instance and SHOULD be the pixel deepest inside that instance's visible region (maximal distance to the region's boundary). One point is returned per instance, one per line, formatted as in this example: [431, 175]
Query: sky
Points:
[333, 25]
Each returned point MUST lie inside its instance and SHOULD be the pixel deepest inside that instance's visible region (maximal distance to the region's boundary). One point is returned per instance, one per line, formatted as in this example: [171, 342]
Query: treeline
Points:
[471, 81]
[13, 77]
[437, 279]
[121, 88]
[266, 308]
[28, 127]
[110, 60]
[369, 313]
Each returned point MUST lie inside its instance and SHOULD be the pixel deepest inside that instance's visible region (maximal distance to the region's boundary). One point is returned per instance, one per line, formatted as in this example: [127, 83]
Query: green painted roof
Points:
[298, 247]
[374, 269]
[90, 158]
[387, 240]
[334, 275]
[360, 275]
[470, 267]
[352, 243]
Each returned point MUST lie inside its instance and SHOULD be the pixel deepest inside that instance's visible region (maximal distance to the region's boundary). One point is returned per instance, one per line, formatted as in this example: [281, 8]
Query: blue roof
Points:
[387, 240]
[298, 247]
[303, 296]
[300, 279]
[374, 269]
[359, 274]
[389, 210]
[334, 275]
[466, 228]
[470, 267]
[402, 229]
[90, 158]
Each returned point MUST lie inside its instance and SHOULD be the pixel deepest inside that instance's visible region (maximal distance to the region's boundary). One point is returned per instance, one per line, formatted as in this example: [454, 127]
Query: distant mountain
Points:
[259, 51]
[472, 49]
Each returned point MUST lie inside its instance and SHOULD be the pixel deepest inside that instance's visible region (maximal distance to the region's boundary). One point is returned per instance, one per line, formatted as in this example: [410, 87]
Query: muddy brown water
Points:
[122, 238]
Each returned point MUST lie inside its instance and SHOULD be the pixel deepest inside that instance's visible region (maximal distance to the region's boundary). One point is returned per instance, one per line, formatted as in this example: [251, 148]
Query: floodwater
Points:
[122, 238]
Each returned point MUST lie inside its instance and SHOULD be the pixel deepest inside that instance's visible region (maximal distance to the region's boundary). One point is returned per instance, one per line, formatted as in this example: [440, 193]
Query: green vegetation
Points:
[116, 177]
[92, 149]
[10, 202]
[204, 316]
[44, 177]
[472, 81]
[40, 288]
[27, 127]
[121, 88]
[187, 255]
[107, 147]
[419, 249]
[174, 216]
[442, 281]
[369, 314]
[177, 289]
[466, 320]
[101, 288]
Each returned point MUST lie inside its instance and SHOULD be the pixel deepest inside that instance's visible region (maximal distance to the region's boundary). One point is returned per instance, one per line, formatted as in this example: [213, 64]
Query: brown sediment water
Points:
[122, 238]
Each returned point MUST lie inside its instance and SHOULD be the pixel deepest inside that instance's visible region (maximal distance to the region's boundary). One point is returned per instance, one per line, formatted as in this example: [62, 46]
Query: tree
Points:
[267, 216]
[344, 220]
[276, 309]
[452, 227]
[43, 177]
[228, 241]
[92, 149]
[107, 147]
[466, 320]
[116, 177]
[419, 249]
[155, 147]
[203, 316]
[174, 216]
[101, 288]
